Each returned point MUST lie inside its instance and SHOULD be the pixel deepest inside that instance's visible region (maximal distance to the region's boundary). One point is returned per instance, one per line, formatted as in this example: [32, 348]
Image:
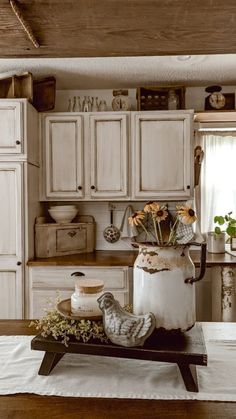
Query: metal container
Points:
[215, 242]
[164, 284]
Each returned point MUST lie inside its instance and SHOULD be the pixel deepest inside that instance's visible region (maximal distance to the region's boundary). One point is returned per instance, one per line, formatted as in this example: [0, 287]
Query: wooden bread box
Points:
[53, 239]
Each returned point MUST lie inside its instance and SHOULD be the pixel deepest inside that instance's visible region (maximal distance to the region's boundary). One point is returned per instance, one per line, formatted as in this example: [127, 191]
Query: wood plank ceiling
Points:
[99, 28]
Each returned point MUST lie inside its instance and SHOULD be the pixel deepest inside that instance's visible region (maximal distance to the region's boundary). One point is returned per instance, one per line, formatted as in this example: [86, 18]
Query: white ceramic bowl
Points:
[63, 216]
[63, 207]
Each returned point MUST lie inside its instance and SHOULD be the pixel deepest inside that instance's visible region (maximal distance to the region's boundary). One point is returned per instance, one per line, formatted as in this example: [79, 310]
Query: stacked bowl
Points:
[63, 214]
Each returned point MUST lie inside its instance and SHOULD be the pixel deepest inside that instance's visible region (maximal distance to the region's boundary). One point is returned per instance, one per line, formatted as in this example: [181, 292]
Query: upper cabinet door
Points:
[162, 155]
[10, 214]
[109, 156]
[63, 156]
[11, 123]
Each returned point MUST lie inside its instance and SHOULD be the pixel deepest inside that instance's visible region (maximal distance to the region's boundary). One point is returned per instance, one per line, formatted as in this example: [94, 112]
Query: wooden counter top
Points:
[97, 258]
[121, 258]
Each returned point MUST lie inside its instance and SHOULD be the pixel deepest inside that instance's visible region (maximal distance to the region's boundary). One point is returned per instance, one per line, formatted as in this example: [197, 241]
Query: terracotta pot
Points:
[163, 284]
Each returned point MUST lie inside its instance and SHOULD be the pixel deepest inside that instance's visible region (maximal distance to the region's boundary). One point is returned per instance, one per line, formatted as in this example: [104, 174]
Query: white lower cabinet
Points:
[11, 306]
[11, 238]
[48, 283]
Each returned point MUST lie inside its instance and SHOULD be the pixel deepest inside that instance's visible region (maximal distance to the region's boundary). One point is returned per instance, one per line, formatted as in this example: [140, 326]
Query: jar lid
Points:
[89, 286]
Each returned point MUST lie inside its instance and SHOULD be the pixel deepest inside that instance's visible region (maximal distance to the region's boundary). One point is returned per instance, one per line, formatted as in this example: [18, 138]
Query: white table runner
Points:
[94, 376]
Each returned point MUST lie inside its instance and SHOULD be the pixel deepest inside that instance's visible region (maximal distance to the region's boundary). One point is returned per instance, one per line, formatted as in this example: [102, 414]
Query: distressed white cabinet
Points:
[49, 282]
[84, 156]
[11, 299]
[162, 154]
[63, 158]
[11, 250]
[19, 158]
[11, 178]
[126, 155]
[109, 155]
[18, 131]
[11, 123]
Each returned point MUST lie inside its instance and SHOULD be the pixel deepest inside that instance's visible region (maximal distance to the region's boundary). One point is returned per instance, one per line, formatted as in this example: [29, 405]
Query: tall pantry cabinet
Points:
[19, 167]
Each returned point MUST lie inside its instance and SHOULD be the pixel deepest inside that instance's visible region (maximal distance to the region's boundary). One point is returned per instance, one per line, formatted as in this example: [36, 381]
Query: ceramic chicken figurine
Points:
[123, 328]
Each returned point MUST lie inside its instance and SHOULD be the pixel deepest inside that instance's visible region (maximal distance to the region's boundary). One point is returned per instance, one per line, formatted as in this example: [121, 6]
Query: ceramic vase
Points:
[159, 286]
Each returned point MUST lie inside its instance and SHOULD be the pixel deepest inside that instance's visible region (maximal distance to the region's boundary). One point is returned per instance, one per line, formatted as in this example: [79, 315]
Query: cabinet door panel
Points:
[162, 155]
[11, 123]
[10, 211]
[165, 141]
[64, 157]
[109, 156]
[11, 295]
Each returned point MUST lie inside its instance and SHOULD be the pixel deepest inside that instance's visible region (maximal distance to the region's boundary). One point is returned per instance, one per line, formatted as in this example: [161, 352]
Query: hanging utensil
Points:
[111, 233]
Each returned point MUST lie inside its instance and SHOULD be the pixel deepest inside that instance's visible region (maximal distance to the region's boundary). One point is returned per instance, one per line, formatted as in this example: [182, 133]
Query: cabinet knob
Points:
[93, 187]
[79, 188]
[18, 263]
[188, 186]
[17, 142]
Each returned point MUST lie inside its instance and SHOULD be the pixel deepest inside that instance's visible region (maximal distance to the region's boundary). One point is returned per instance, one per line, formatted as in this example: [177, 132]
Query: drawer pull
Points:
[71, 233]
[77, 274]
[17, 142]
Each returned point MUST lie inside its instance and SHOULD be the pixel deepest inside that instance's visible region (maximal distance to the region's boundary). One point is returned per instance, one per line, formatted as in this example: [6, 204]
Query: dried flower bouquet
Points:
[59, 327]
[158, 214]
[64, 329]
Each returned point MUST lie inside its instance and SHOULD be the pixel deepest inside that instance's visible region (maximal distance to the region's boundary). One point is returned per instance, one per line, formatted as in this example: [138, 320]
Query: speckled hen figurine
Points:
[123, 328]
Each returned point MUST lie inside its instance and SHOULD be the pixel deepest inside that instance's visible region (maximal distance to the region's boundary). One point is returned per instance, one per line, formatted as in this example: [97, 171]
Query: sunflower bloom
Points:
[160, 215]
[136, 218]
[151, 206]
[186, 215]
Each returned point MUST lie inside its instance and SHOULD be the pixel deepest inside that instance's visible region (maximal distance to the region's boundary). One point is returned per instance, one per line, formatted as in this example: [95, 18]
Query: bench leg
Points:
[49, 361]
[189, 375]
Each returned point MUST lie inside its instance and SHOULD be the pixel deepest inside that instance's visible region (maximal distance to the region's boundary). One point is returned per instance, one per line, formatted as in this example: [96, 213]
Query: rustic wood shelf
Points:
[186, 350]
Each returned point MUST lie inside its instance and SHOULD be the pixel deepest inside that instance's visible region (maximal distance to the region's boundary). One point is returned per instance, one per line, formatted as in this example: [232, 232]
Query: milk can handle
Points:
[202, 264]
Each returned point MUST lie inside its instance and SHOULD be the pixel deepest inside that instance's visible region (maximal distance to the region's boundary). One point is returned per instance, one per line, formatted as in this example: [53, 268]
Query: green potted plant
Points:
[231, 229]
[216, 239]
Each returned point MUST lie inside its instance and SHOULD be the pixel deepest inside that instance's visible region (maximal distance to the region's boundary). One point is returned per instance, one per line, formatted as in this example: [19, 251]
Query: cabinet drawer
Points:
[60, 278]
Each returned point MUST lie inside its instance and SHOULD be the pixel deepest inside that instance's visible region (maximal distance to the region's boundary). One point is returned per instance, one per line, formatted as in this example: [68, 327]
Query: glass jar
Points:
[173, 100]
[84, 300]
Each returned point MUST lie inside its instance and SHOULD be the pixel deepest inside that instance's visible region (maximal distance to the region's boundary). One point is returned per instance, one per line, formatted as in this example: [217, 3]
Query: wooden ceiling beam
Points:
[110, 28]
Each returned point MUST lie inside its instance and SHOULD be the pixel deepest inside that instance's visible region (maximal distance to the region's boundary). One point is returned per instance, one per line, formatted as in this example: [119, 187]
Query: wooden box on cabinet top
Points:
[54, 239]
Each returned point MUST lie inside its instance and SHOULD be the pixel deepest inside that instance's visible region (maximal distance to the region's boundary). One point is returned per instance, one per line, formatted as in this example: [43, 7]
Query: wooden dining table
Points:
[32, 406]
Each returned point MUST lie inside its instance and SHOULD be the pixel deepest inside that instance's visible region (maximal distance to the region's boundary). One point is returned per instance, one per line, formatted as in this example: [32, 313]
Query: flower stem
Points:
[173, 230]
[159, 228]
[155, 228]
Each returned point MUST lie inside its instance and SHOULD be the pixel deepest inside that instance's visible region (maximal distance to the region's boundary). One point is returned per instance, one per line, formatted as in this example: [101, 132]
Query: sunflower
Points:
[151, 206]
[186, 215]
[160, 215]
[136, 218]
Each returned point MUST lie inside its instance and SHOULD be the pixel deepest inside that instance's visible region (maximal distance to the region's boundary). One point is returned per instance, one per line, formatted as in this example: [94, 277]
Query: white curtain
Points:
[218, 176]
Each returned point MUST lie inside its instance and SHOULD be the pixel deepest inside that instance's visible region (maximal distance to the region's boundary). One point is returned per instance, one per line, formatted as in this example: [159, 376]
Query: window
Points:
[218, 175]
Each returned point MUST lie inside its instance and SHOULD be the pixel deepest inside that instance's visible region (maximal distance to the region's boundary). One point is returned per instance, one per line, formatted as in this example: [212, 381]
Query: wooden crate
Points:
[53, 239]
[152, 98]
[14, 87]
[44, 92]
